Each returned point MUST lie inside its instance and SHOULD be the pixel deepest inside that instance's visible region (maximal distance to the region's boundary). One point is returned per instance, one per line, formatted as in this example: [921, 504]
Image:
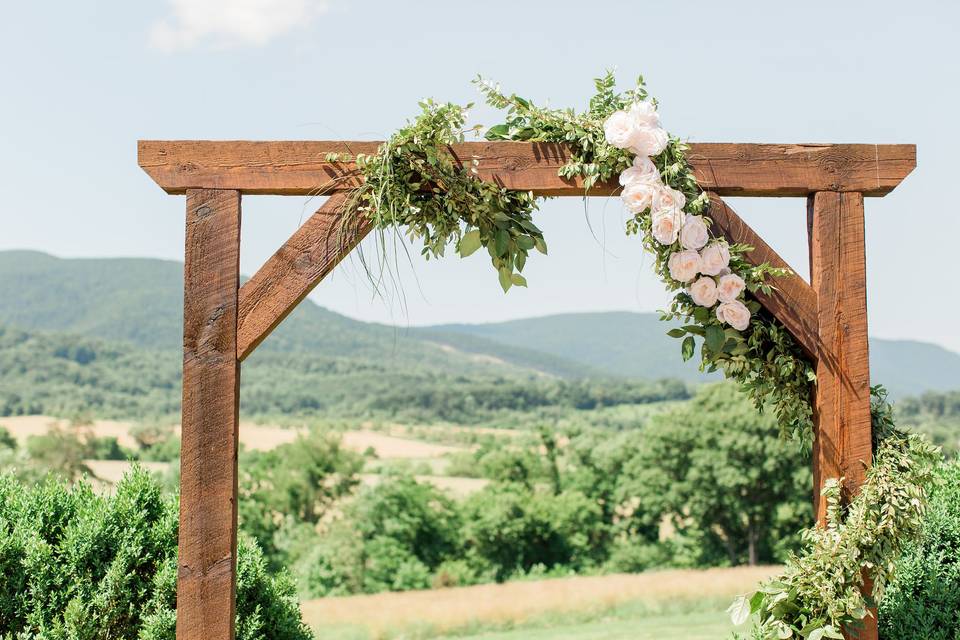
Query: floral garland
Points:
[415, 182]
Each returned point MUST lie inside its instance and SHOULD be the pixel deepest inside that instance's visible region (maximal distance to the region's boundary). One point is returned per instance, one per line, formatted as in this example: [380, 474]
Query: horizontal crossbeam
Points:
[729, 169]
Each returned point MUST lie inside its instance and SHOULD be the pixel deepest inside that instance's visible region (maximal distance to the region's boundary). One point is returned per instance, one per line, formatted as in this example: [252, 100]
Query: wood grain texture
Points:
[843, 431]
[794, 302]
[842, 407]
[294, 270]
[206, 581]
[300, 168]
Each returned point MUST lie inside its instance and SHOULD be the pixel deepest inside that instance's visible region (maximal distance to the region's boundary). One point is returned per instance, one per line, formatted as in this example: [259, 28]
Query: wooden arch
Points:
[224, 322]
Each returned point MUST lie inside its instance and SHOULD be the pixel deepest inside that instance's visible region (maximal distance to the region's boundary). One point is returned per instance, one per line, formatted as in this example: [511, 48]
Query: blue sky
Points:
[82, 81]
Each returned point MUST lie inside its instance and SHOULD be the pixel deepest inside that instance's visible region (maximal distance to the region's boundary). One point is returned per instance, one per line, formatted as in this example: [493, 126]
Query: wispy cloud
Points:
[230, 23]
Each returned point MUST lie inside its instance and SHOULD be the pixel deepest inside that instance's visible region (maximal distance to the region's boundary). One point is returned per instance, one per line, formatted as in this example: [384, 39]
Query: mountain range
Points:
[138, 301]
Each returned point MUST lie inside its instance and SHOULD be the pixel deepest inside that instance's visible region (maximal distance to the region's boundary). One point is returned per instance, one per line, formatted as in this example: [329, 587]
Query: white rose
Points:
[715, 257]
[694, 234]
[668, 198]
[645, 114]
[647, 141]
[735, 314]
[666, 225]
[638, 196]
[643, 170]
[619, 129]
[704, 291]
[730, 287]
[684, 265]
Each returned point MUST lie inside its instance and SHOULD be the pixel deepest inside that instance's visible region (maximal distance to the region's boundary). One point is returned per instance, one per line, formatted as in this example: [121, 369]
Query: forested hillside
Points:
[138, 301]
[68, 375]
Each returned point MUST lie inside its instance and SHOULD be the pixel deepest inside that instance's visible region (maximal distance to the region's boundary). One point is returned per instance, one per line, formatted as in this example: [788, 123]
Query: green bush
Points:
[515, 529]
[81, 566]
[923, 600]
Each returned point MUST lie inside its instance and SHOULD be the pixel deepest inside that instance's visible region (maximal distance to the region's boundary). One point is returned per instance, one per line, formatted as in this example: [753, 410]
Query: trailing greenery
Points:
[82, 566]
[819, 594]
[415, 181]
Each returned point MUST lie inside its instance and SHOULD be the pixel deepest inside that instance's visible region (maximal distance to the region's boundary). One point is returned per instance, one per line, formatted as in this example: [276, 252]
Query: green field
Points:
[688, 626]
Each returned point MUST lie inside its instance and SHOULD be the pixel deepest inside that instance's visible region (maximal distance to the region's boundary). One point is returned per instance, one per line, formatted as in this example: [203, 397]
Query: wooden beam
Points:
[300, 168]
[294, 270]
[842, 408]
[794, 302]
[843, 429]
[207, 567]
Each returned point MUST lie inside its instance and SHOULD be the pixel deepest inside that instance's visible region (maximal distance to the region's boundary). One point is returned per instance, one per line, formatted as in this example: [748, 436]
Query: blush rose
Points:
[704, 291]
[735, 314]
[684, 265]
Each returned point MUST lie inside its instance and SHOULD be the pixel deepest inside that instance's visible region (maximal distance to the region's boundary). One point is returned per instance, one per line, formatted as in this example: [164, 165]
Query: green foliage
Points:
[299, 482]
[393, 536]
[415, 180]
[415, 515]
[62, 450]
[923, 599]
[515, 529]
[415, 386]
[84, 567]
[723, 474]
[819, 593]
[935, 414]
[593, 159]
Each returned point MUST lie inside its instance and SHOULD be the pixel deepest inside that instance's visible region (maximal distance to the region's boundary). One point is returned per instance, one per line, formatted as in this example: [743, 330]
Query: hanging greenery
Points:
[415, 182]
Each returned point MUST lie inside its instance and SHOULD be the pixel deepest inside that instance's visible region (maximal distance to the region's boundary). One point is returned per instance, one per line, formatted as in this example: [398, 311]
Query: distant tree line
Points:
[69, 376]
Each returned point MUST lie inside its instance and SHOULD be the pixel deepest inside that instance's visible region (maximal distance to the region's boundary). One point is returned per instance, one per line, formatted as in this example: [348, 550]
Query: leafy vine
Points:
[416, 181]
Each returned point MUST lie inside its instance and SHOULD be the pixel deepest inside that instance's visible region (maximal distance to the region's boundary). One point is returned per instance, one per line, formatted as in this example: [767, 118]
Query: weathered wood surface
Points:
[843, 431]
[794, 302]
[294, 270]
[206, 581]
[300, 168]
[842, 405]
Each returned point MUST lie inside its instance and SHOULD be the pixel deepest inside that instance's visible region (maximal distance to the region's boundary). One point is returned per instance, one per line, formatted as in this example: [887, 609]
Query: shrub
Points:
[86, 567]
[923, 600]
[515, 529]
[416, 515]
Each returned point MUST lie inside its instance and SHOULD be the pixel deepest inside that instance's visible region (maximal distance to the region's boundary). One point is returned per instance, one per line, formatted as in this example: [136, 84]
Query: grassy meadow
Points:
[656, 604]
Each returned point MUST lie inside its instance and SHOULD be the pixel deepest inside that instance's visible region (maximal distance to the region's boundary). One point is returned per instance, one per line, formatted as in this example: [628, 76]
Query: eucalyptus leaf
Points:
[469, 243]
[506, 279]
[502, 242]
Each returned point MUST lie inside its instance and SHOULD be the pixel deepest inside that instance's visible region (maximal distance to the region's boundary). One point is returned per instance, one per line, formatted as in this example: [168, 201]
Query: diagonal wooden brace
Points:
[294, 270]
[794, 302]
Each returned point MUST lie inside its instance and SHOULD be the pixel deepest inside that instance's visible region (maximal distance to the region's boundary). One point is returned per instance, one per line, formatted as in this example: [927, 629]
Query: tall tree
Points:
[722, 473]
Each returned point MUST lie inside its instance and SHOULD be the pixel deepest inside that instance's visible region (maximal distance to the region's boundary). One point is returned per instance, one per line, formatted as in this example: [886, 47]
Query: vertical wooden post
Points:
[206, 580]
[843, 431]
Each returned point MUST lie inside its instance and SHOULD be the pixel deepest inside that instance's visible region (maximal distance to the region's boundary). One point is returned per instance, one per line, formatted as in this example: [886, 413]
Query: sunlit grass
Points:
[580, 607]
